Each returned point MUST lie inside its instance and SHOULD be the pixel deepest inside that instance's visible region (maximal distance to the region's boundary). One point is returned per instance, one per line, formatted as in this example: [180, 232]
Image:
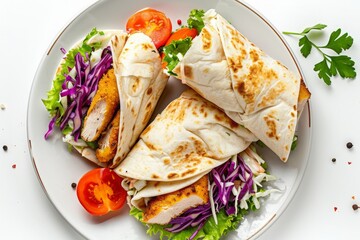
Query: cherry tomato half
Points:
[182, 33]
[99, 191]
[151, 22]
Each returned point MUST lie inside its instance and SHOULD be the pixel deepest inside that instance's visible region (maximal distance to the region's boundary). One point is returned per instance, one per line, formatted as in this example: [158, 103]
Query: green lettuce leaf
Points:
[52, 102]
[180, 47]
[210, 230]
[196, 19]
[172, 52]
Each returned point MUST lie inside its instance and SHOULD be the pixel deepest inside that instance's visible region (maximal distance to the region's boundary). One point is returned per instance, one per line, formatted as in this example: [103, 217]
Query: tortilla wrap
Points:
[156, 188]
[189, 138]
[252, 88]
[140, 82]
[116, 40]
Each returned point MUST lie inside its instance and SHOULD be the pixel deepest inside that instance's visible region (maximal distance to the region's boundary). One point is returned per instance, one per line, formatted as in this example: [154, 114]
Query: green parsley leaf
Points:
[196, 19]
[173, 51]
[344, 66]
[330, 66]
[318, 26]
[305, 45]
[338, 44]
[324, 71]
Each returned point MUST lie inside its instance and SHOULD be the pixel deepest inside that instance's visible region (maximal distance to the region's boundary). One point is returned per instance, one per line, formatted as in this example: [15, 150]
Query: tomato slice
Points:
[179, 34]
[182, 33]
[151, 22]
[99, 191]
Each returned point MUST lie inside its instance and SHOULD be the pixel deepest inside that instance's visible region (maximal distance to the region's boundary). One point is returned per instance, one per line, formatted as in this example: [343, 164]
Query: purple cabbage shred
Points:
[80, 91]
[224, 176]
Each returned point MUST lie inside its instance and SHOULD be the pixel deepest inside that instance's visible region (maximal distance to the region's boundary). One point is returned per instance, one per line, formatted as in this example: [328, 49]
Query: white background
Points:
[27, 29]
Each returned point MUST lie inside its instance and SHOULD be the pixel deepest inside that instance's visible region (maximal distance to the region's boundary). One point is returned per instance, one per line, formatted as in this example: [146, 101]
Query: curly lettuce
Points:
[174, 52]
[210, 231]
[196, 19]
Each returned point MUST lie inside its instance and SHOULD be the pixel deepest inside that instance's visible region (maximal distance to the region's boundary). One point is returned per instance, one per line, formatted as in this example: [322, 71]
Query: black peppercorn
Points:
[349, 145]
[355, 207]
[5, 148]
[73, 185]
[333, 160]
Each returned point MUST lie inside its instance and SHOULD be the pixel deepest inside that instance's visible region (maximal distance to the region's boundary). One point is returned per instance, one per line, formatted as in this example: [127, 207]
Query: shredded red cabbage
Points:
[80, 91]
[63, 50]
[51, 126]
[224, 178]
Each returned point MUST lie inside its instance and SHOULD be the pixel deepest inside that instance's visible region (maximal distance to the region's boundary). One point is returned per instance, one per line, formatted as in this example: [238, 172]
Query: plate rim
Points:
[298, 179]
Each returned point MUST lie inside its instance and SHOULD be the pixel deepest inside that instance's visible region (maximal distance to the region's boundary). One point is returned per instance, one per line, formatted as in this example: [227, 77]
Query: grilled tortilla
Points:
[189, 138]
[140, 82]
[253, 89]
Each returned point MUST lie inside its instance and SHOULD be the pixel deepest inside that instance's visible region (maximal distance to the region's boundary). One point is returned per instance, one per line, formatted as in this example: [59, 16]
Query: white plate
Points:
[57, 168]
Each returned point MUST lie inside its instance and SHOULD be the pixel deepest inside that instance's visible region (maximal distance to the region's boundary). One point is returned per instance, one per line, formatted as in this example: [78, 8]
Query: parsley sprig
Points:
[331, 65]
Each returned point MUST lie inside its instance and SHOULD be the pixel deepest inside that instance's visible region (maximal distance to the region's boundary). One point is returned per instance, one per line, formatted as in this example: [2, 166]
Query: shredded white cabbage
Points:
[95, 57]
[243, 201]
[70, 139]
[212, 203]
[263, 177]
[71, 124]
[251, 162]
[236, 192]
[262, 194]
[252, 152]
[72, 74]
[180, 56]
[266, 192]
[234, 160]
[256, 202]
[63, 101]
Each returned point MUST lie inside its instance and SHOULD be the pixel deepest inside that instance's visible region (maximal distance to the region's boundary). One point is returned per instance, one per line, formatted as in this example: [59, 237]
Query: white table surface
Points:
[27, 29]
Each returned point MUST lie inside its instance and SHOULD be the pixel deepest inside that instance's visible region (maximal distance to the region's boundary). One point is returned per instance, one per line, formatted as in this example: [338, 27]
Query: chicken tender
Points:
[304, 96]
[163, 208]
[109, 140]
[304, 93]
[102, 108]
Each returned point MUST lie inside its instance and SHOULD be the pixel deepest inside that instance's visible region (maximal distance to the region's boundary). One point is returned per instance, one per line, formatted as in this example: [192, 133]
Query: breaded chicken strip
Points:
[102, 108]
[304, 96]
[109, 140]
[163, 208]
